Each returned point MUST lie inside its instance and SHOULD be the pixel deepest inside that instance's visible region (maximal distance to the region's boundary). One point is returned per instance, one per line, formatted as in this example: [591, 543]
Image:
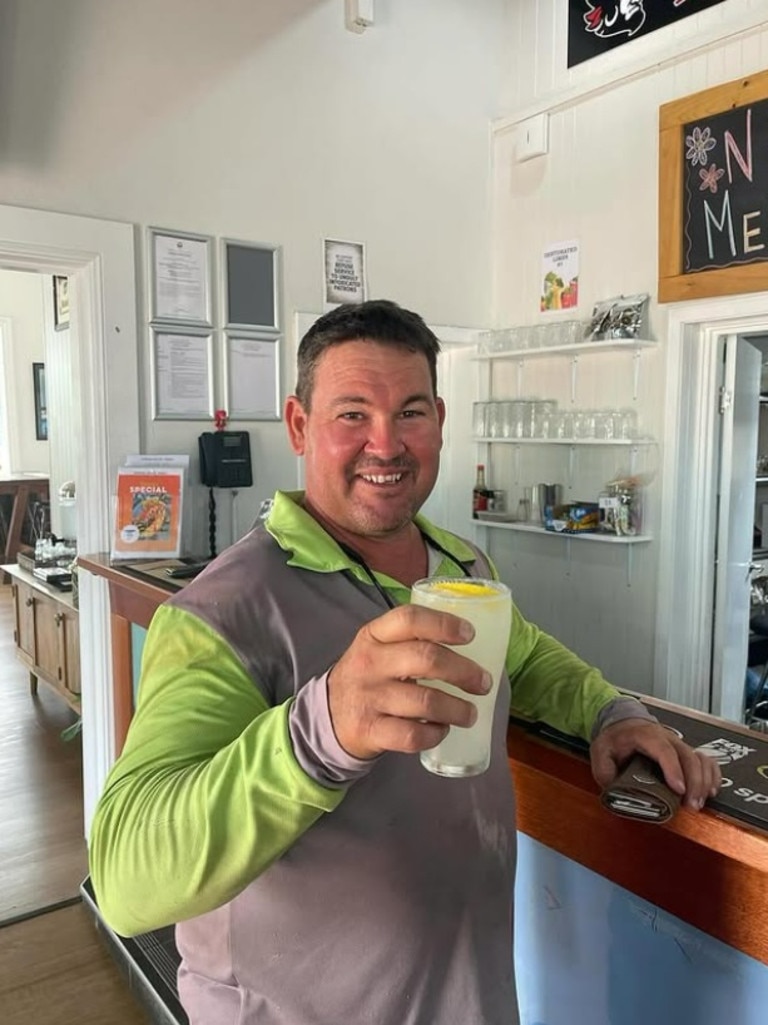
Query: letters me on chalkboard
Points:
[725, 189]
[713, 192]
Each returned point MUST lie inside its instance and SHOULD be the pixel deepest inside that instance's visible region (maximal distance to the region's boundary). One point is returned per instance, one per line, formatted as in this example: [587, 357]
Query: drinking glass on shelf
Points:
[563, 424]
[544, 418]
[584, 424]
[479, 419]
[625, 424]
[493, 420]
[604, 424]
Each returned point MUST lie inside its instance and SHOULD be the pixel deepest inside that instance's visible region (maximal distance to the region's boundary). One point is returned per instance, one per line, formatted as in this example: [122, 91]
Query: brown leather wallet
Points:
[639, 792]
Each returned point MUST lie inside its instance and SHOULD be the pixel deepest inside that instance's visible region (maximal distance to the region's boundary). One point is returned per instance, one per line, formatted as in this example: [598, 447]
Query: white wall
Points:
[21, 301]
[265, 122]
[598, 184]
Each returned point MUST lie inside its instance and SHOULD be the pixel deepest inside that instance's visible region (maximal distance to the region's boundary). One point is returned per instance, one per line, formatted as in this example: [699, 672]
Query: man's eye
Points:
[351, 415]
[408, 413]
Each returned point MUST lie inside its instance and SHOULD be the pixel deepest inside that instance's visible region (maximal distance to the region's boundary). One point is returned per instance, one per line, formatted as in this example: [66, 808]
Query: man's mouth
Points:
[382, 478]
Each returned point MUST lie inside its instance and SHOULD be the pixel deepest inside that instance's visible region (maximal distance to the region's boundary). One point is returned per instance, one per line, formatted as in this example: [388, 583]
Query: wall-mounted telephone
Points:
[225, 459]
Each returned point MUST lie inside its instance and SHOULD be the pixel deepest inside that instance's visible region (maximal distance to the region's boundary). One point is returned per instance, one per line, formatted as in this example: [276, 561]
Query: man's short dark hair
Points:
[378, 320]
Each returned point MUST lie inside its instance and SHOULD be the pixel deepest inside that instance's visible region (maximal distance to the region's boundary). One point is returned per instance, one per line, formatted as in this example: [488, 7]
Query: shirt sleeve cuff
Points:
[620, 708]
[314, 741]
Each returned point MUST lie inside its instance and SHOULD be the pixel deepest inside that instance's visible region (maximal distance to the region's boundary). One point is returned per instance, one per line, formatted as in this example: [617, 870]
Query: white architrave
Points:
[686, 583]
[99, 257]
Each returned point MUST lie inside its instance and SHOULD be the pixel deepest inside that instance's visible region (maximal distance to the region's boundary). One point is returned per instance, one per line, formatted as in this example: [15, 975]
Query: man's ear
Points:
[296, 422]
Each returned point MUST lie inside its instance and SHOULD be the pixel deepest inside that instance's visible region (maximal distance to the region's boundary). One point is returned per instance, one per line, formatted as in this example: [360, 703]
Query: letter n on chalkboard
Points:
[713, 192]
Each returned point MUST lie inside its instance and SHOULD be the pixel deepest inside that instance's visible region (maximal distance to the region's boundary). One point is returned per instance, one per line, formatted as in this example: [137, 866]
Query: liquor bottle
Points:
[481, 495]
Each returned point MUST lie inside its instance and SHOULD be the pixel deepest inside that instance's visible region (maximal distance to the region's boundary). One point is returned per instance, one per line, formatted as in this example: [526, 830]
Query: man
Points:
[269, 797]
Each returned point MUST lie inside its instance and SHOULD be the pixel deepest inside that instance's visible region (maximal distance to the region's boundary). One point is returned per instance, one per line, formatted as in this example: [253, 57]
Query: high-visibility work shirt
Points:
[310, 887]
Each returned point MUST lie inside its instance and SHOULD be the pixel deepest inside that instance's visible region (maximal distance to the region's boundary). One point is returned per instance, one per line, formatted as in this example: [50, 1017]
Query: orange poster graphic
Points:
[148, 513]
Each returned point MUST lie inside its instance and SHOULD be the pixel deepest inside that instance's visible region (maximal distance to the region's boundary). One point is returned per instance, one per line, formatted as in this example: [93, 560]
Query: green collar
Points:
[311, 547]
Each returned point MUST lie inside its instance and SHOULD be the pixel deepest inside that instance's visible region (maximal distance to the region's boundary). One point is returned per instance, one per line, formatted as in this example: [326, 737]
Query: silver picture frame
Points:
[252, 375]
[180, 273]
[182, 372]
[250, 283]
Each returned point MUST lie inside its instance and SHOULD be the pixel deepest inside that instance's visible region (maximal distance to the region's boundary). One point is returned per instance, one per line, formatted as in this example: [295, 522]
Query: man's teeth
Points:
[382, 478]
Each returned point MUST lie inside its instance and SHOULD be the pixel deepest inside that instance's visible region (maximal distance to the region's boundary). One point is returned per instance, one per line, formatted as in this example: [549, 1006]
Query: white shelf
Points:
[613, 345]
[626, 442]
[532, 528]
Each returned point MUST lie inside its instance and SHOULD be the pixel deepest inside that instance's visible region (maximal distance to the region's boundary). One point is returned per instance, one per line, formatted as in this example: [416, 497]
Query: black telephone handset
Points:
[225, 459]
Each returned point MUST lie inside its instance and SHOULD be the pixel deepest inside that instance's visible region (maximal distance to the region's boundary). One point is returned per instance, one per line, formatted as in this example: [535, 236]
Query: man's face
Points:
[371, 443]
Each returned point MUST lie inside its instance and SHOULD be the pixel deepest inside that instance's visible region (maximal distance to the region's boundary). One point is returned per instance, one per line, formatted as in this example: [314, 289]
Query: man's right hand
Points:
[375, 702]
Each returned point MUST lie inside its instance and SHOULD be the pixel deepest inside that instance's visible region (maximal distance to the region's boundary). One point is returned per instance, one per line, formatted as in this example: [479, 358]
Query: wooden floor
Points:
[55, 970]
[43, 855]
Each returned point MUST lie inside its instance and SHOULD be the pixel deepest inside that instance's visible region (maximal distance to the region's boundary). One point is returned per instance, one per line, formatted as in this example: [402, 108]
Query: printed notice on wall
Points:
[560, 277]
[344, 272]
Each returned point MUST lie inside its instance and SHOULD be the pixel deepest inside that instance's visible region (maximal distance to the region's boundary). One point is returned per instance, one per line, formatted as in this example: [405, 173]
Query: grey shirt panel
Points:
[395, 908]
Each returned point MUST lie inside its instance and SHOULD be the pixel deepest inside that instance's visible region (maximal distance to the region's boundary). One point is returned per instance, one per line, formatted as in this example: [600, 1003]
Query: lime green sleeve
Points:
[207, 792]
[552, 684]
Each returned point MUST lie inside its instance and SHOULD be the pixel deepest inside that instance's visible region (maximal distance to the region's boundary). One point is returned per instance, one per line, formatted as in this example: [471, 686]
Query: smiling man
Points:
[269, 798]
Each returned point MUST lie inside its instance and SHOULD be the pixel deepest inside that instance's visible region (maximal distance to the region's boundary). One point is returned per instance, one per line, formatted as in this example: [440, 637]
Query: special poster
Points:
[560, 277]
[599, 26]
[148, 512]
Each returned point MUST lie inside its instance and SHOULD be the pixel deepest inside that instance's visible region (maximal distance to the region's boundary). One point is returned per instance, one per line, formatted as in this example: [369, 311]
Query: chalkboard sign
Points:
[725, 186]
[713, 192]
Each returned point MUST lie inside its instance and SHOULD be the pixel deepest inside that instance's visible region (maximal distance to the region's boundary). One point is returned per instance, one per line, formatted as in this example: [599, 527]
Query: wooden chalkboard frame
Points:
[674, 285]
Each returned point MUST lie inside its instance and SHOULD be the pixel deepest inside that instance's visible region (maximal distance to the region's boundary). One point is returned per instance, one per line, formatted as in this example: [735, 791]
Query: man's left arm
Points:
[552, 684]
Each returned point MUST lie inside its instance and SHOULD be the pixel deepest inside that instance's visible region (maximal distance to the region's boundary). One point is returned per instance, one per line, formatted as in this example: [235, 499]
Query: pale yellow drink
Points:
[487, 604]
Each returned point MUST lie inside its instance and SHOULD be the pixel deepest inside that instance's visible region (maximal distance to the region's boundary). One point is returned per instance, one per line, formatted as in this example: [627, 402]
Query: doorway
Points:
[685, 628]
[98, 258]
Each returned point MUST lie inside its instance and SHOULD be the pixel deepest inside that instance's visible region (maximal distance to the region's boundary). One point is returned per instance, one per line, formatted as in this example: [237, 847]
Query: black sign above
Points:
[725, 189]
[596, 26]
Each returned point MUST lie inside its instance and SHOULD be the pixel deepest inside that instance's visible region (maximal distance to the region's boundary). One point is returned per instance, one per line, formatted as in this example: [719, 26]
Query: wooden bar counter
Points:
[708, 869]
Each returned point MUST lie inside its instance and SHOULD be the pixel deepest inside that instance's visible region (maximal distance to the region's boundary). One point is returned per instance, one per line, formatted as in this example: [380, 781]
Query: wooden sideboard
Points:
[707, 868]
[46, 634]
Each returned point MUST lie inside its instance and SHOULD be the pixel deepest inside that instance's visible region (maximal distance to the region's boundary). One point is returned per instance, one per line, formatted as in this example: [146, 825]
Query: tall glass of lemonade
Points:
[487, 604]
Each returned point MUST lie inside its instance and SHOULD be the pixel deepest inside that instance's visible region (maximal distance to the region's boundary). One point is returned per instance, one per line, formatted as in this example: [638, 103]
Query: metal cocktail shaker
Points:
[550, 495]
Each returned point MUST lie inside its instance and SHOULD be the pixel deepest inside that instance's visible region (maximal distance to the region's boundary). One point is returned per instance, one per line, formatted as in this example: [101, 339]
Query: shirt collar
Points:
[311, 547]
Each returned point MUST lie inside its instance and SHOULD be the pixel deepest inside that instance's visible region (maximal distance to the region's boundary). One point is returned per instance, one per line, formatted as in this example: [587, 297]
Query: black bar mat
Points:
[152, 957]
[743, 759]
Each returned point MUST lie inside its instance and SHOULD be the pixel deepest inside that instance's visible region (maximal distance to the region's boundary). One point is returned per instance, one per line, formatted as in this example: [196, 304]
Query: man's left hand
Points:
[692, 775]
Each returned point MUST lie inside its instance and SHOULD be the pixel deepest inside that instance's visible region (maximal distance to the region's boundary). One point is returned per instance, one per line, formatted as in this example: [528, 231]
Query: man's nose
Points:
[385, 437]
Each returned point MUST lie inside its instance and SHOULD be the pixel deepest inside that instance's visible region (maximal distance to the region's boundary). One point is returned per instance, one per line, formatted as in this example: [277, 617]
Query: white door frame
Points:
[99, 257]
[682, 664]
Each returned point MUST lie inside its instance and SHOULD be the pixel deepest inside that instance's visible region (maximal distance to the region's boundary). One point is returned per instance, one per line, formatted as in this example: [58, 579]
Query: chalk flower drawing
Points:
[710, 177]
[699, 144]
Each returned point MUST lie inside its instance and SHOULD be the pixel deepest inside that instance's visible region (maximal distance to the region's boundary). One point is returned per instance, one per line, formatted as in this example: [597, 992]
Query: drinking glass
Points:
[487, 605]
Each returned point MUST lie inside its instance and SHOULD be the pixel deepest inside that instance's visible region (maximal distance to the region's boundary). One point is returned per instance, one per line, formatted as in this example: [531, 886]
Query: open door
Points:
[739, 409]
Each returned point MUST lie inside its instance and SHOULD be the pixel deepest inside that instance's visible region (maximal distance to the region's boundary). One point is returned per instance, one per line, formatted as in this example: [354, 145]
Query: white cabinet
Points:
[515, 463]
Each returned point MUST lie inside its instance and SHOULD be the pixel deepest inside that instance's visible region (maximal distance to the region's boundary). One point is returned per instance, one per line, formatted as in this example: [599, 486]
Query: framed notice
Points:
[182, 375]
[713, 191]
[250, 286]
[148, 510]
[252, 377]
[344, 272]
[180, 270]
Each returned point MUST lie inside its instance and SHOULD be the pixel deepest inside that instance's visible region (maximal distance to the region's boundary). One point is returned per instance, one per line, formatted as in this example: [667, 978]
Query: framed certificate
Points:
[252, 376]
[182, 375]
[180, 272]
